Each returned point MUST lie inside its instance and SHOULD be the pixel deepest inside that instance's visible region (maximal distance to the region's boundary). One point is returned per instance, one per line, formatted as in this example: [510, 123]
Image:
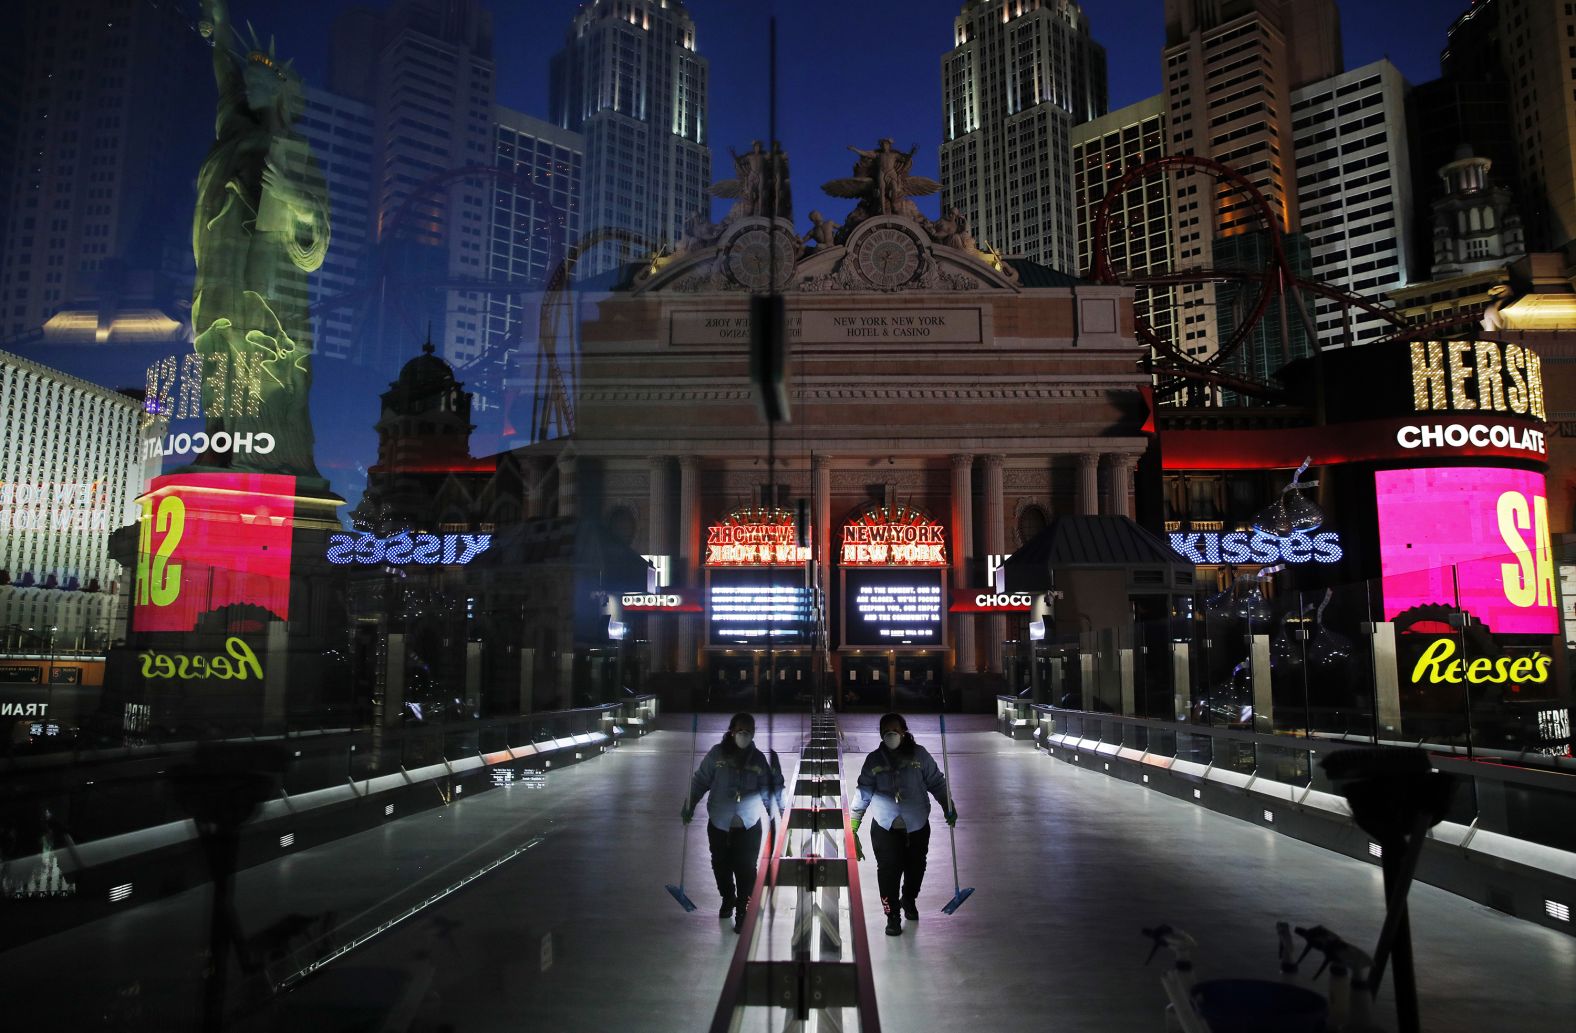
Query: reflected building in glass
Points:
[72, 463]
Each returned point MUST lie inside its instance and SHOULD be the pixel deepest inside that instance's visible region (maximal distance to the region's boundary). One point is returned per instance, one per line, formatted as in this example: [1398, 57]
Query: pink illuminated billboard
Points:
[1477, 535]
[211, 540]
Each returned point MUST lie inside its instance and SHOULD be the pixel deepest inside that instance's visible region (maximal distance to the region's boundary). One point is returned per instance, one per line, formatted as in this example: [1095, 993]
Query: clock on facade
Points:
[887, 257]
[747, 257]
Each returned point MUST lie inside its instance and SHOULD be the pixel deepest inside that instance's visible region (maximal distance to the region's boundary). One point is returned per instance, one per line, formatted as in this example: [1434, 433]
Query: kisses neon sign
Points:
[1258, 547]
[400, 549]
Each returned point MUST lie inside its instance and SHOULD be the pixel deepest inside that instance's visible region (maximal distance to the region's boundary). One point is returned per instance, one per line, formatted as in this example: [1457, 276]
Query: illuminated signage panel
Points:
[405, 548]
[749, 608]
[892, 608]
[206, 541]
[670, 601]
[1257, 547]
[901, 537]
[988, 600]
[1463, 376]
[755, 538]
[1480, 532]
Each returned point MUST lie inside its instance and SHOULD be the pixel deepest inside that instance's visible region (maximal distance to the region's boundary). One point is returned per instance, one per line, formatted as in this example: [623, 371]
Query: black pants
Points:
[733, 856]
[900, 862]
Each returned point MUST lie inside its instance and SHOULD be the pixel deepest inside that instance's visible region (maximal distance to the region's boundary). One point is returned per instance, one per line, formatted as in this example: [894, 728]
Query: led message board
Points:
[56, 506]
[888, 536]
[206, 541]
[1477, 531]
[755, 537]
[892, 608]
[746, 608]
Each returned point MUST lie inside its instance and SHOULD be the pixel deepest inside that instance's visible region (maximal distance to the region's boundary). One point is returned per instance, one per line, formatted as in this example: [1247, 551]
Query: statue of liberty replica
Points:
[261, 226]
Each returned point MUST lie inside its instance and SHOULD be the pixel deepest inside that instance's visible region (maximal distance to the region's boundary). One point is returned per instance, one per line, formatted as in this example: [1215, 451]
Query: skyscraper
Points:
[1229, 76]
[1104, 149]
[1020, 75]
[72, 464]
[535, 214]
[88, 190]
[340, 133]
[1534, 44]
[425, 68]
[1354, 193]
[630, 81]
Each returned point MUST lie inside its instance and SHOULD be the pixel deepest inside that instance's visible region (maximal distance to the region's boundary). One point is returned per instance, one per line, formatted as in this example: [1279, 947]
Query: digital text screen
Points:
[892, 607]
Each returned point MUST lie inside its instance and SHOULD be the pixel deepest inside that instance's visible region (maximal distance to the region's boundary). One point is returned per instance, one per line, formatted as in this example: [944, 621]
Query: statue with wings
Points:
[760, 184]
[883, 182]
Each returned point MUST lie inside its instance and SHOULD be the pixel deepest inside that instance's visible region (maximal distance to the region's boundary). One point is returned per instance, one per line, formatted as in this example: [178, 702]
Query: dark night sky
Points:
[850, 73]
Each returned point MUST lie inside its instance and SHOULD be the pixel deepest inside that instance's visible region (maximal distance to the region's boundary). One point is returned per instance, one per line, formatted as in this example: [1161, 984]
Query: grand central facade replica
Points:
[945, 402]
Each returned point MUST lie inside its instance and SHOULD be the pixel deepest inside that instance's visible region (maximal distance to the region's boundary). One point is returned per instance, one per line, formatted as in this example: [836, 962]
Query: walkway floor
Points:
[577, 935]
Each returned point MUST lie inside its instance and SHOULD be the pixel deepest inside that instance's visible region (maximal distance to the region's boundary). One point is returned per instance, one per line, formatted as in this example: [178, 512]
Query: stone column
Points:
[995, 542]
[658, 625]
[566, 486]
[687, 562]
[821, 499]
[1089, 484]
[536, 474]
[962, 542]
[1121, 484]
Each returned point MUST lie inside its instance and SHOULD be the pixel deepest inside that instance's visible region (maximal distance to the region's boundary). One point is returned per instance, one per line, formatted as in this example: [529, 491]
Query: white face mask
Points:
[892, 740]
[742, 739]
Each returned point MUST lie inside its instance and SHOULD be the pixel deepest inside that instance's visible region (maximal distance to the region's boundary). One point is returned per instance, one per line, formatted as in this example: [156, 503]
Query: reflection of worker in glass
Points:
[893, 782]
[743, 786]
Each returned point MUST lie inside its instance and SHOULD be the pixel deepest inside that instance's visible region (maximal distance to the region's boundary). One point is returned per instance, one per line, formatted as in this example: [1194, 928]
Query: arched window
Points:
[1488, 218]
[1461, 220]
[1477, 220]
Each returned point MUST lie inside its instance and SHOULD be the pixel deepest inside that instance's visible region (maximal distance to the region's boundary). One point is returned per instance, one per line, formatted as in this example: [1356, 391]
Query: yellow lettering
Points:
[1545, 551]
[1491, 382]
[144, 549]
[165, 576]
[1428, 376]
[1433, 659]
[1520, 668]
[1456, 353]
[1480, 670]
[244, 658]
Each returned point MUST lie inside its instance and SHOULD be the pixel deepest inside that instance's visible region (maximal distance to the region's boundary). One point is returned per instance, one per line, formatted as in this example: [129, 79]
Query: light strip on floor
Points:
[1554, 909]
[345, 948]
[119, 893]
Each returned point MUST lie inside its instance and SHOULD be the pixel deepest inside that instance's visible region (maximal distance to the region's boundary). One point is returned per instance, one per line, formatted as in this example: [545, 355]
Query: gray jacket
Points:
[894, 783]
[742, 785]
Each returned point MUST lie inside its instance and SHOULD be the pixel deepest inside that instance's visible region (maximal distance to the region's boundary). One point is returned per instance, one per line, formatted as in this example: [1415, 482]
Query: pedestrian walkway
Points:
[576, 933]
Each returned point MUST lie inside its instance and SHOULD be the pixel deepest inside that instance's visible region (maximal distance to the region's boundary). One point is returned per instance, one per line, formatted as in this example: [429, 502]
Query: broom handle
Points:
[952, 833]
[684, 850]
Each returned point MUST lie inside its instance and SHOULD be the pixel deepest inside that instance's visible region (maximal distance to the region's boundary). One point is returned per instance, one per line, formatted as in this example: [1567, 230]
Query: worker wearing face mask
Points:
[893, 783]
[743, 786]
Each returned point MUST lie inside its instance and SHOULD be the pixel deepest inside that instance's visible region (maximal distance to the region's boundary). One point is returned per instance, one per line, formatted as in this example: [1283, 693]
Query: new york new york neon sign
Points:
[755, 537]
[894, 537]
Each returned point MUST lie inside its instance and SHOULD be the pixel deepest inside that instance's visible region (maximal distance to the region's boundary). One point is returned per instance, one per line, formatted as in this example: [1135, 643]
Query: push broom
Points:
[678, 891]
[959, 893]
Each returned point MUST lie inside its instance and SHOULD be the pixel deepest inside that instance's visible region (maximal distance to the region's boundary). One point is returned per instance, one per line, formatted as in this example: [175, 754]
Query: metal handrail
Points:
[1443, 757]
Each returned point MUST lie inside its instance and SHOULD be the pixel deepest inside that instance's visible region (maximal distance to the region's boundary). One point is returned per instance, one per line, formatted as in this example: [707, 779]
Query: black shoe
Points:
[910, 909]
[738, 919]
[894, 923]
[728, 905]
